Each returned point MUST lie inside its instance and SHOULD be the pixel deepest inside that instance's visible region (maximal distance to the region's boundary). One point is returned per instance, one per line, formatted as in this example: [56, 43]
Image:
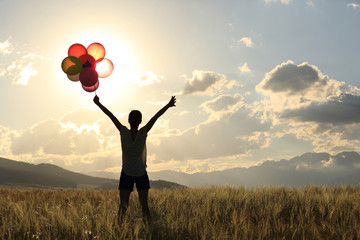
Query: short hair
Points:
[135, 117]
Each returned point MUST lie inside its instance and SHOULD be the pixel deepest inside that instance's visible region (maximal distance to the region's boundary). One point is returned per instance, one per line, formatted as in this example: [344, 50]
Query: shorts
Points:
[127, 182]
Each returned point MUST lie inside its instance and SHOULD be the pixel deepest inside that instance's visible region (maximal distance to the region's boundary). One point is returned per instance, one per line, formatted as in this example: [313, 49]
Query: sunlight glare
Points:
[122, 56]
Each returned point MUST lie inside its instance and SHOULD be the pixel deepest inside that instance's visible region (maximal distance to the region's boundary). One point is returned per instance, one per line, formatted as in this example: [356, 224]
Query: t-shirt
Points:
[133, 152]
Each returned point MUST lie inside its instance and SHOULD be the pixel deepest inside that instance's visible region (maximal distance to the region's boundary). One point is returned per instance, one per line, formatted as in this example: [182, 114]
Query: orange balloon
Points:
[91, 88]
[97, 51]
[76, 50]
[88, 77]
[104, 68]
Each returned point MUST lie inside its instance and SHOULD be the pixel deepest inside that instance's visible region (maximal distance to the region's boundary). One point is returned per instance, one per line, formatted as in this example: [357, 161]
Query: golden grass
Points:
[193, 213]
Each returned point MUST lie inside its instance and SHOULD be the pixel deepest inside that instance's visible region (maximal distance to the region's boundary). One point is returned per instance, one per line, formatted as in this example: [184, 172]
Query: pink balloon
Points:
[104, 68]
[92, 88]
[88, 77]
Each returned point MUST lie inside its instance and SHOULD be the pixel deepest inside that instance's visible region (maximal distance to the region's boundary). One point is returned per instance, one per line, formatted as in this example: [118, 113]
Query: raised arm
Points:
[171, 103]
[107, 112]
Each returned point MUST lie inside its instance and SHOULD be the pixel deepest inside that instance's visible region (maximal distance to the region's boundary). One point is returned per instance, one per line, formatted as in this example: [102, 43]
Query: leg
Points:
[143, 198]
[124, 203]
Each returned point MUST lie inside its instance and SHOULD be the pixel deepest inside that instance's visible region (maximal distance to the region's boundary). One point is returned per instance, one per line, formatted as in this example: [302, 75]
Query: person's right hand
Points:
[96, 99]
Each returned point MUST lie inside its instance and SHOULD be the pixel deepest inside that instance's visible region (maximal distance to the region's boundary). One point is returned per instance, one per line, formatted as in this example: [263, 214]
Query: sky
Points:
[255, 80]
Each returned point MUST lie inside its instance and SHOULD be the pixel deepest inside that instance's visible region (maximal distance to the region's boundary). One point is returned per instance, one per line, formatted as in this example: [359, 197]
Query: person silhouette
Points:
[133, 146]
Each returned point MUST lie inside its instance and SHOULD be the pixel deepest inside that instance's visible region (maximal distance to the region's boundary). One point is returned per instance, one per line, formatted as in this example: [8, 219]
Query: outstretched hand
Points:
[172, 102]
[96, 99]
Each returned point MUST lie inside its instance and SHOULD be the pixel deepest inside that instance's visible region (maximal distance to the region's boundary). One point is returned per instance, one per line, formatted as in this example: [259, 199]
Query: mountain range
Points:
[21, 174]
[309, 168]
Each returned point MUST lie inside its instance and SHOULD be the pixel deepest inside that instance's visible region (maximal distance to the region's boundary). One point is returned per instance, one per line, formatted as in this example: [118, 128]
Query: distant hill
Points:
[21, 174]
[309, 168]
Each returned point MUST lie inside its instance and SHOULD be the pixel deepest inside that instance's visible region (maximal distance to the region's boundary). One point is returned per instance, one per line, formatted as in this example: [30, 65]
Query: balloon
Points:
[97, 51]
[87, 65]
[104, 68]
[71, 65]
[74, 78]
[92, 88]
[76, 50]
[88, 61]
[88, 77]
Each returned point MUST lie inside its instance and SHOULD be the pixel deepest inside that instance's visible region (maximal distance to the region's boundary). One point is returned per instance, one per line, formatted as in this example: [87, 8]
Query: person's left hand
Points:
[172, 102]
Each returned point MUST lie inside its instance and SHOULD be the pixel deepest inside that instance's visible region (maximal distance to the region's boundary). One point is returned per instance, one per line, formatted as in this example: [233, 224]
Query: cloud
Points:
[353, 5]
[282, 1]
[25, 74]
[304, 102]
[52, 137]
[303, 93]
[207, 83]
[5, 140]
[310, 3]
[82, 116]
[246, 41]
[292, 79]
[147, 78]
[22, 69]
[222, 103]
[228, 134]
[244, 68]
[6, 47]
[156, 103]
[344, 110]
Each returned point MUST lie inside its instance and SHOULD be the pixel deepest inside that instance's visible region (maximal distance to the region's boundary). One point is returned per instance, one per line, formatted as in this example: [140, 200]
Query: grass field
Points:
[190, 213]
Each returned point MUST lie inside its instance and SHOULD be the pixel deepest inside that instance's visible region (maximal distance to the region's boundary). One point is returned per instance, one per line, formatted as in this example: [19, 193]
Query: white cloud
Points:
[182, 113]
[311, 106]
[157, 103]
[353, 5]
[292, 79]
[52, 137]
[147, 78]
[303, 93]
[247, 41]
[22, 69]
[207, 83]
[226, 135]
[222, 103]
[282, 1]
[310, 3]
[25, 74]
[6, 47]
[244, 68]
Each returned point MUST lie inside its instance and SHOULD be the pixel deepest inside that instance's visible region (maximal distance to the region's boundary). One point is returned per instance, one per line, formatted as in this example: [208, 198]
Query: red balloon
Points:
[76, 50]
[92, 88]
[104, 68]
[88, 77]
[97, 51]
[88, 61]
